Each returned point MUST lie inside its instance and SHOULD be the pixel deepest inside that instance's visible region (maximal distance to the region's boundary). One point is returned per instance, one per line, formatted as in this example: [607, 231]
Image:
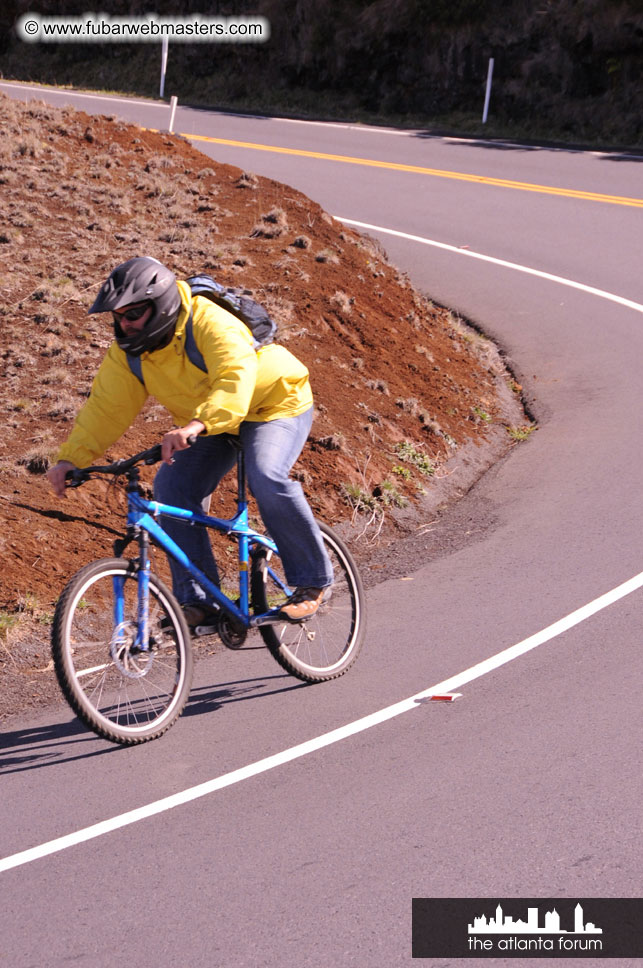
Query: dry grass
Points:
[272, 225]
[85, 194]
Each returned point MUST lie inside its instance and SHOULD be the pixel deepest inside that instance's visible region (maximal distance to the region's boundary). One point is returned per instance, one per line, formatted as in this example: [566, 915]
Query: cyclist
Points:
[262, 396]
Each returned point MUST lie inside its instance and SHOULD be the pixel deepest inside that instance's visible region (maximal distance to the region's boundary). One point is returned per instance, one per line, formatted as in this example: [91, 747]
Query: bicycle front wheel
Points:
[123, 693]
[326, 645]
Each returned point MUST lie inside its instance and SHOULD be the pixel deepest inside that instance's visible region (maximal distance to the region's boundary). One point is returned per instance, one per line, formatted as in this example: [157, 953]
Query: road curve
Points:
[527, 786]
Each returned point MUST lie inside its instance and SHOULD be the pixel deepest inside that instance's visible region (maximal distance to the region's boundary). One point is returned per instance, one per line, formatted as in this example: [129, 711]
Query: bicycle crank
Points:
[231, 635]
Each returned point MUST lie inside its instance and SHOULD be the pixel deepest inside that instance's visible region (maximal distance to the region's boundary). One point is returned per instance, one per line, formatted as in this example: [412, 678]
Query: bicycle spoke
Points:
[121, 691]
[325, 645]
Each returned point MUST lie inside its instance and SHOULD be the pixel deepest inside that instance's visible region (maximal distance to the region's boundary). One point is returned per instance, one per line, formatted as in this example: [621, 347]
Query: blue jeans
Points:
[270, 450]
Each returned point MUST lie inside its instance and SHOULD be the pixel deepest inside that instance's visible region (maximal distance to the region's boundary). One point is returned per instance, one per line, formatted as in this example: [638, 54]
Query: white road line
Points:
[346, 125]
[326, 739]
[94, 97]
[383, 715]
[499, 262]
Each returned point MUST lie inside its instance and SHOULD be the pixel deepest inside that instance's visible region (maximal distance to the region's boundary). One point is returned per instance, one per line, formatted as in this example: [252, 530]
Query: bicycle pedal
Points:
[200, 630]
[268, 619]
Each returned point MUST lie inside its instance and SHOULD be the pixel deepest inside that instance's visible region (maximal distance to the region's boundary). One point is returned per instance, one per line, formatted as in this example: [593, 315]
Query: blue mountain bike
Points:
[121, 647]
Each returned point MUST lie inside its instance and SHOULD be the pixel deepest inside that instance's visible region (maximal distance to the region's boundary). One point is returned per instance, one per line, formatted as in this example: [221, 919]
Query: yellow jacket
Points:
[241, 383]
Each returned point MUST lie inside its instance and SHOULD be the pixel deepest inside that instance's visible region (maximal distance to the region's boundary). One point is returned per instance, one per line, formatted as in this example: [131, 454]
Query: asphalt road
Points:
[529, 786]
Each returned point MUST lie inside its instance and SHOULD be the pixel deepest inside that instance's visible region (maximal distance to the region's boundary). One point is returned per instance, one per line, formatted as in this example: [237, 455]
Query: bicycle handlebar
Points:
[80, 475]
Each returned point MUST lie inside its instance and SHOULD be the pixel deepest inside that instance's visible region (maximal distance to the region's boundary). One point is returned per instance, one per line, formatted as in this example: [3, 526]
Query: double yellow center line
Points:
[435, 172]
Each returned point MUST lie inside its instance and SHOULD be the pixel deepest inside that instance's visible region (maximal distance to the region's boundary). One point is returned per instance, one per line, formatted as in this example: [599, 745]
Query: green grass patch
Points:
[8, 621]
[408, 453]
[521, 433]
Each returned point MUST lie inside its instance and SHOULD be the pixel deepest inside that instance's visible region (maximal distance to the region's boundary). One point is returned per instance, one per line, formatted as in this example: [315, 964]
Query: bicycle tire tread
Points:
[280, 653]
[98, 725]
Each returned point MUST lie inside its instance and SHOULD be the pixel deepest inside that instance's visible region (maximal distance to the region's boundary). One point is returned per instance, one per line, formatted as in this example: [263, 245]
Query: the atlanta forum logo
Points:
[548, 936]
[527, 927]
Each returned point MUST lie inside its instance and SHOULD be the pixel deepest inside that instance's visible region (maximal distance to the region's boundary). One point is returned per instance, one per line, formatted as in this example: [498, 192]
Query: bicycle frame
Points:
[142, 523]
[125, 666]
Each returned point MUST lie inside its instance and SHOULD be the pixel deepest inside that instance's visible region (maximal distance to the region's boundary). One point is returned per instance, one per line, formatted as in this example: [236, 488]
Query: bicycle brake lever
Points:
[75, 478]
[155, 456]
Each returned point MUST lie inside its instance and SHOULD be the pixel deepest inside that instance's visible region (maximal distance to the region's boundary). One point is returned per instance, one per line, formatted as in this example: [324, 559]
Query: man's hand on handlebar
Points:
[179, 439]
[56, 476]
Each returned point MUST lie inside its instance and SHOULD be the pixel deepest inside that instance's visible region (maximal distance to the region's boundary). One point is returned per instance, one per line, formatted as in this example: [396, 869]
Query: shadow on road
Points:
[206, 698]
[48, 745]
[509, 144]
[52, 744]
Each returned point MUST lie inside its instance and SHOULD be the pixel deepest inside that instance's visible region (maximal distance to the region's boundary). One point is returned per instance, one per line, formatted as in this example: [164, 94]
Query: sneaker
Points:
[303, 603]
[196, 615]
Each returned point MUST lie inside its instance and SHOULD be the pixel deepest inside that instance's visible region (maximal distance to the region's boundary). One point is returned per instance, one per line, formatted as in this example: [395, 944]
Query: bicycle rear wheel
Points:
[122, 693]
[325, 646]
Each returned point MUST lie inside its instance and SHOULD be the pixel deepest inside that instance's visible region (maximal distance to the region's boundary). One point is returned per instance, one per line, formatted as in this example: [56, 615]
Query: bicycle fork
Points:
[141, 643]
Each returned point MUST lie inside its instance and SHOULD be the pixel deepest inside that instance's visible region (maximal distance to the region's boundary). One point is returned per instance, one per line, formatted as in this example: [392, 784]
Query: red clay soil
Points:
[394, 376]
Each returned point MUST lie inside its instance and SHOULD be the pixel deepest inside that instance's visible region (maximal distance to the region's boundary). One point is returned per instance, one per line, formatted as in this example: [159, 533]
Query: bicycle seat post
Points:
[241, 478]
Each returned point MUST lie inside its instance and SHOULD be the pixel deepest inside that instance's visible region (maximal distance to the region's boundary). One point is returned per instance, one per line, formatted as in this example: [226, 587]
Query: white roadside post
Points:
[485, 111]
[173, 101]
[164, 48]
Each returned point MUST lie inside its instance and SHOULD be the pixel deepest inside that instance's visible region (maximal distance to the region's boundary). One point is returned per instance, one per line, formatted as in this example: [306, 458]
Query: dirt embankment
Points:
[403, 389]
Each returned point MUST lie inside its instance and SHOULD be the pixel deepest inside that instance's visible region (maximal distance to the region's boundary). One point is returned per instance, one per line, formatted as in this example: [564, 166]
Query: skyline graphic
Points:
[505, 924]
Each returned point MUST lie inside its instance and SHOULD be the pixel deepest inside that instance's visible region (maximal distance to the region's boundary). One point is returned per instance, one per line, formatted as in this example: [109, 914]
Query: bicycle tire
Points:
[123, 694]
[326, 645]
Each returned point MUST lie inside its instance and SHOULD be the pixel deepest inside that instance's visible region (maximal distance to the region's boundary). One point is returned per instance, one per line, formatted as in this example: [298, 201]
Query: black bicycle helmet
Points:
[138, 280]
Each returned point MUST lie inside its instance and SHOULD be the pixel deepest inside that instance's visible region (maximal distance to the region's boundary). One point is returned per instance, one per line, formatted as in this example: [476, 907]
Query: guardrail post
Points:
[488, 93]
[164, 49]
[173, 101]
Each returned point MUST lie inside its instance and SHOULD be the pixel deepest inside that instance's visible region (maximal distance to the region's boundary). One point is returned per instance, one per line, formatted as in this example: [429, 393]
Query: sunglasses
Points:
[131, 315]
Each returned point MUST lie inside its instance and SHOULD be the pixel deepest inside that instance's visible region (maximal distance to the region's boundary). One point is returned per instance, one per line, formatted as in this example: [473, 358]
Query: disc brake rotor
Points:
[129, 660]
